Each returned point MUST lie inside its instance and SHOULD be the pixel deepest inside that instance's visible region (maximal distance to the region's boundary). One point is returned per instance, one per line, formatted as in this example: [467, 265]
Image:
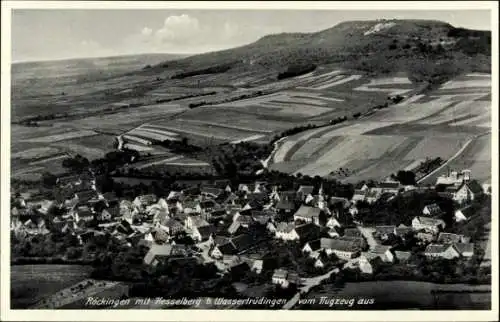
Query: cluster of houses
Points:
[227, 222]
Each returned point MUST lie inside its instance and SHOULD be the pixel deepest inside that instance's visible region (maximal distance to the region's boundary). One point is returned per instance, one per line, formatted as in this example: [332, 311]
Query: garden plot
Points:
[61, 137]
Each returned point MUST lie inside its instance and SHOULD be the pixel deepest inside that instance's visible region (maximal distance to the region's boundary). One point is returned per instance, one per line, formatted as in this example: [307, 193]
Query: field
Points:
[371, 146]
[437, 124]
[31, 283]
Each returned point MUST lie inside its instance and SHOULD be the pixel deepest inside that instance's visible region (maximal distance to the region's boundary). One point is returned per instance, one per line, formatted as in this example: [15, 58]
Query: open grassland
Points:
[31, 283]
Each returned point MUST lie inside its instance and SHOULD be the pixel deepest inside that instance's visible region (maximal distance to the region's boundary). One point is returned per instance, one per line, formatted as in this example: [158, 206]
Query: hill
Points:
[381, 46]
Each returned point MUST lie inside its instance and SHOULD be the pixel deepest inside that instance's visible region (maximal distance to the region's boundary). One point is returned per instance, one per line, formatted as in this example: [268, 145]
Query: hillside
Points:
[415, 46]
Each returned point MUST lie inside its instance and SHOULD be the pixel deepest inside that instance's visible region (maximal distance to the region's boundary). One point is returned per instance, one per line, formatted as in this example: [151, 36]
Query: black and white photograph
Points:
[262, 159]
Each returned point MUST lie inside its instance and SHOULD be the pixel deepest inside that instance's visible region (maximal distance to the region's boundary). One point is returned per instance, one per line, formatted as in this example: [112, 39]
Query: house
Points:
[441, 251]
[257, 265]
[389, 187]
[319, 263]
[286, 231]
[339, 202]
[384, 252]
[256, 200]
[307, 231]
[171, 226]
[402, 257]
[372, 195]
[45, 205]
[333, 233]
[233, 246]
[332, 223]
[203, 233]
[426, 237]
[465, 249]
[105, 216]
[211, 191]
[454, 178]
[246, 188]
[280, 277]
[144, 200]
[365, 262]
[344, 249]
[486, 188]
[110, 198]
[463, 214]
[307, 214]
[466, 192]
[359, 195]
[403, 231]
[192, 206]
[304, 191]
[234, 228]
[432, 210]
[86, 195]
[84, 213]
[195, 221]
[285, 206]
[448, 238]
[384, 232]
[159, 253]
[312, 246]
[352, 232]
[427, 224]
[176, 195]
[68, 179]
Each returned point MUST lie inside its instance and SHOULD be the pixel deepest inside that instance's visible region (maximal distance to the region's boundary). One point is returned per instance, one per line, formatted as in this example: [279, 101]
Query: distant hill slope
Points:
[96, 67]
[423, 48]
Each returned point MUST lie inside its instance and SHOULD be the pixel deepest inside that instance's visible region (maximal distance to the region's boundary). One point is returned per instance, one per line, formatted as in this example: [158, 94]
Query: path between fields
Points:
[452, 158]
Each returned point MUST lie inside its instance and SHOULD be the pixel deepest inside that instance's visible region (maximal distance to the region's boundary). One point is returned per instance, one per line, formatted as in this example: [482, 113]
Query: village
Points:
[236, 227]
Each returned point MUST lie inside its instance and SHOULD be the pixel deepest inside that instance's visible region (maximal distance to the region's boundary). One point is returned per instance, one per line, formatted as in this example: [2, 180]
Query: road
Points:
[308, 284]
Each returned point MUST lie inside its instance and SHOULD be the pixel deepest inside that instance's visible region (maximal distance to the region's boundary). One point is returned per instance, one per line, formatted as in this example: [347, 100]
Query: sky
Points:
[51, 34]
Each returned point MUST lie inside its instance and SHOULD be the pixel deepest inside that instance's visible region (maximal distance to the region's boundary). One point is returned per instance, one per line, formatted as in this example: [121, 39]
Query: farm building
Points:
[432, 225]
[307, 214]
